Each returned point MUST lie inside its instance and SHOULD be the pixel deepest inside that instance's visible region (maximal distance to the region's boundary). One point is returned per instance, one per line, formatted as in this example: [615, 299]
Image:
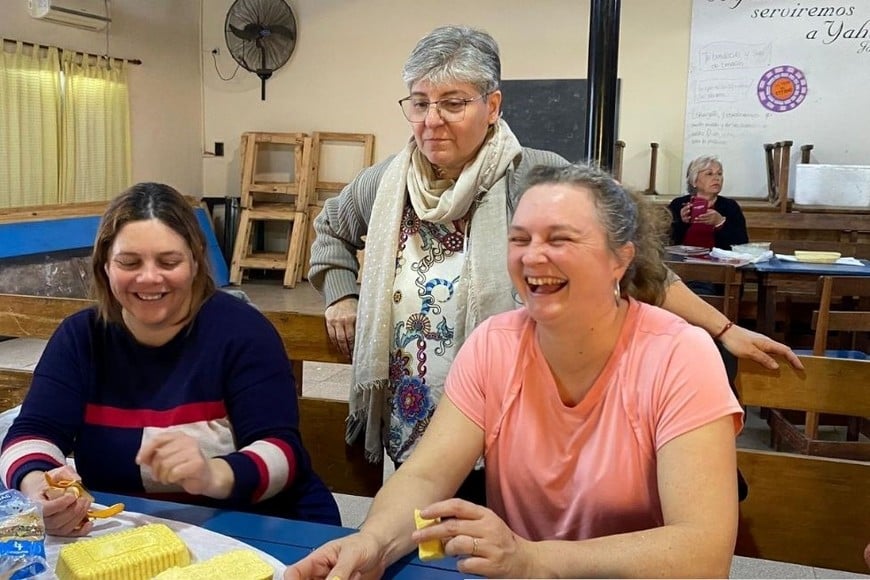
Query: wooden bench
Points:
[806, 509]
[343, 468]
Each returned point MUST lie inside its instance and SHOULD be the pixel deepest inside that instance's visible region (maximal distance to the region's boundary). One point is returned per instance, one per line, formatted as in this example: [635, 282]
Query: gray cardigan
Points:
[344, 222]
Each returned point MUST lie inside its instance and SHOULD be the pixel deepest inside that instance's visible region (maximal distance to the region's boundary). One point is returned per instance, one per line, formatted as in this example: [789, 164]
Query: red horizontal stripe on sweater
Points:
[107, 416]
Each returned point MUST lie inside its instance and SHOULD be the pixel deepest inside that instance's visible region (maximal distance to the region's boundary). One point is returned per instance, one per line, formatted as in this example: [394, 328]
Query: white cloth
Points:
[721, 254]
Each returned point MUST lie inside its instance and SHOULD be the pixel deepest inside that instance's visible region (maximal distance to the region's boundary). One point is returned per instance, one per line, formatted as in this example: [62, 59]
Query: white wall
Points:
[165, 91]
[345, 74]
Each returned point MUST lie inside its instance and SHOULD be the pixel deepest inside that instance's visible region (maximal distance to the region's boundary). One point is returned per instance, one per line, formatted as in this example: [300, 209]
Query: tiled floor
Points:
[333, 381]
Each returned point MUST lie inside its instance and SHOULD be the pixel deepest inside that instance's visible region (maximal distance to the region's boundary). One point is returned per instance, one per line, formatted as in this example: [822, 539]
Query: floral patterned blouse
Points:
[429, 260]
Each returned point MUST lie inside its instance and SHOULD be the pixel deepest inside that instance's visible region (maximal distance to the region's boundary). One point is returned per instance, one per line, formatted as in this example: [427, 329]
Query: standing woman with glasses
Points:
[435, 219]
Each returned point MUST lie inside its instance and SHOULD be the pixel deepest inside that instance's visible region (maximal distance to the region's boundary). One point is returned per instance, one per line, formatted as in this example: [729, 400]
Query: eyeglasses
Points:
[451, 110]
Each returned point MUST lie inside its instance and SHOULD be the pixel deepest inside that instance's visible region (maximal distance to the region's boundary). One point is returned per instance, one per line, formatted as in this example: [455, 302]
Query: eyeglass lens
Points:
[451, 110]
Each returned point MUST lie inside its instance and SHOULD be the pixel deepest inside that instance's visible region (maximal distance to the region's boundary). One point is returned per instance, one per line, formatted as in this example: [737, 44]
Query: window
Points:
[65, 127]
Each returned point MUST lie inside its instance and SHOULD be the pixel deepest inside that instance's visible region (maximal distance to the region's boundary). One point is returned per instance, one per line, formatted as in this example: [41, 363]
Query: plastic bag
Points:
[22, 537]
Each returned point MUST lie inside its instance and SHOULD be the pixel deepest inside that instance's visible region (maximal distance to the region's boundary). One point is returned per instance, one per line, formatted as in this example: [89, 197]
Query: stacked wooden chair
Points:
[321, 145]
[294, 200]
[264, 201]
[777, 157]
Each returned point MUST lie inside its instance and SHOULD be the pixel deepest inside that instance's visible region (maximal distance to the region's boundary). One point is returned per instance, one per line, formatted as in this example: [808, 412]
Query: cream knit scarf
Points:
[484, 288]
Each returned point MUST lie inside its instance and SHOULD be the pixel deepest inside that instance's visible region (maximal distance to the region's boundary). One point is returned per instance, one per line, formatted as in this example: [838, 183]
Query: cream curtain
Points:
[29, 122]
[95, 134]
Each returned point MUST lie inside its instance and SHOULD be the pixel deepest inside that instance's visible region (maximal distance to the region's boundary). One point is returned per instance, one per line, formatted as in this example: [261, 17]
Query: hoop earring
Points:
[516, 296]
[616, 294]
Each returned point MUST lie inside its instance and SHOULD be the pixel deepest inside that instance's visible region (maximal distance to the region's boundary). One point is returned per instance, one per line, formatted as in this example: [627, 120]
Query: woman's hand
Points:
[686, 213]
[710, 217]
[176, 458]
[744, 343]
[66, 514]
[357, 556]
[486, 544]
[341, 323]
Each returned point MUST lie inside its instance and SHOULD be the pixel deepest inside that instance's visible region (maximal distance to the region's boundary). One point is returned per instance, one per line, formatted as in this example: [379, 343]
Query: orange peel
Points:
[58, 487]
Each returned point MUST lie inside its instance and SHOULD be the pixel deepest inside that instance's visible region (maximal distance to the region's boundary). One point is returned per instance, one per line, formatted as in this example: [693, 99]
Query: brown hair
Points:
[146, 201]
[626, 217]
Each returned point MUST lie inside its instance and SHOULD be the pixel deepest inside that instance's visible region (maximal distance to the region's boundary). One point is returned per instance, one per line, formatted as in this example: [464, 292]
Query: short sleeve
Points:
[465, 385]
[693, 390]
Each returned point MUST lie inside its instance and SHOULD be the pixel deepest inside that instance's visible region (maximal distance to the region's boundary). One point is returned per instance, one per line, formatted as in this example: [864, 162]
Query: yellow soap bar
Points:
[237, 564]
[430, 549]
[132, 554]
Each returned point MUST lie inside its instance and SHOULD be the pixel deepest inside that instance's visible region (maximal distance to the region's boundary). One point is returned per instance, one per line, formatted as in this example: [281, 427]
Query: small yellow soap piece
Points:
[237, 564]
[141, 552]
[430, 549]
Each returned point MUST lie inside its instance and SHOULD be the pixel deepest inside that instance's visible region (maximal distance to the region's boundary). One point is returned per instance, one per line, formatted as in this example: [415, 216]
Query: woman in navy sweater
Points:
[166, 388]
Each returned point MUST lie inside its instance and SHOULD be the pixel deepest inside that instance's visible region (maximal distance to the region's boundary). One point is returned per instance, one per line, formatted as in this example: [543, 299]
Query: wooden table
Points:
[775, 273]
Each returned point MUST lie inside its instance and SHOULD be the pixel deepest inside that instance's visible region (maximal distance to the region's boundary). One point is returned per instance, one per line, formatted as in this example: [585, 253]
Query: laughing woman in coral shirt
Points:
[608, 453]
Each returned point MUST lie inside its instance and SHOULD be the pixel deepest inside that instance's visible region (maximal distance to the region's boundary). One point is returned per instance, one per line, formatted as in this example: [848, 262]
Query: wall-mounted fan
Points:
[261, 36]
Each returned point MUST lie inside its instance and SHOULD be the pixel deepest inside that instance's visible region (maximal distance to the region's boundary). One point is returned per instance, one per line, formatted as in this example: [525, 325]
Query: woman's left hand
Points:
[176, 458]
[710, 217]
[485, 543]
[744, 343]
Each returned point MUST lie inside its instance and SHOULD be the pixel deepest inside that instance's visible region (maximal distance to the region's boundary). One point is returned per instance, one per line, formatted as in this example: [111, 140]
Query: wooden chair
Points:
[851, 289]
[805, 510]
[826, 320]
[343, 468]
[728, 276]
[826, 385]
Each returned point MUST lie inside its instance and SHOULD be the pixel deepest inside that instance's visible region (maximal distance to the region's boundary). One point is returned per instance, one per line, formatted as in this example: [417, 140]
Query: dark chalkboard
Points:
[547, 114]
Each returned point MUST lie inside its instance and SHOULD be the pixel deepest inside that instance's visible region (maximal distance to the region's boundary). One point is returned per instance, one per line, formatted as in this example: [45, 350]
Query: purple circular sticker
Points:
[782, 88]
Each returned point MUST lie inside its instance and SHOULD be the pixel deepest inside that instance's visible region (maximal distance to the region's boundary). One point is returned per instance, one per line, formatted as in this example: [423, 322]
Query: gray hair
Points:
[625, 216]
[698, 165]
[455, 53]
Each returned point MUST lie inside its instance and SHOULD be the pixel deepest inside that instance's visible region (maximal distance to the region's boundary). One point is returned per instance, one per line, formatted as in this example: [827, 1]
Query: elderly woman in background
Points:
[608, 453]
[167, 388]
[435, 218]
[703, 217]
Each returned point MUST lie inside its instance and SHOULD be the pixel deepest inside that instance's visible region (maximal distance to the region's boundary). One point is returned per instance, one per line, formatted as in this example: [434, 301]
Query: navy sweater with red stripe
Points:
[224, 379]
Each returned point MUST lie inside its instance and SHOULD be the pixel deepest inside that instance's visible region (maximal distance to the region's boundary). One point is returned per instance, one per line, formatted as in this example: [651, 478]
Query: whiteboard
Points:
[762, 71]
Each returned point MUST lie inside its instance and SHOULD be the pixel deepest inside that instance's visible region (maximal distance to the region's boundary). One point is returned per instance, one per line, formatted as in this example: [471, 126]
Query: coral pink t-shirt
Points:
[572, 473]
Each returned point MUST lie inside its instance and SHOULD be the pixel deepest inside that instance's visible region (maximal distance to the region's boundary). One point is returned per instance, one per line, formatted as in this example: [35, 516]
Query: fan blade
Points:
[250, 32]
[283, 31]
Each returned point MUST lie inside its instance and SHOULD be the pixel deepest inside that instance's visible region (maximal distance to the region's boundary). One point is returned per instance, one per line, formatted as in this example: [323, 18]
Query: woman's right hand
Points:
[66, 515]
[356, 557]
[686, 213]
[341, 323]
